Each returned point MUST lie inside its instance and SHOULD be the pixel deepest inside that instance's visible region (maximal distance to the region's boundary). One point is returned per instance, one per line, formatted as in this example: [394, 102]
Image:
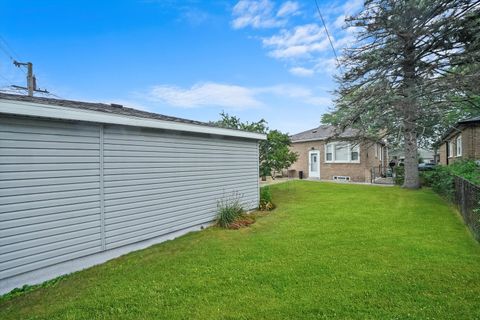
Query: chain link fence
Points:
[467, 199]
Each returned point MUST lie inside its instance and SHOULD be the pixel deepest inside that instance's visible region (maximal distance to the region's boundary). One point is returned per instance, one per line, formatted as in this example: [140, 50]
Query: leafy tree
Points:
[275, 154]
[233, 122]
[412, 62]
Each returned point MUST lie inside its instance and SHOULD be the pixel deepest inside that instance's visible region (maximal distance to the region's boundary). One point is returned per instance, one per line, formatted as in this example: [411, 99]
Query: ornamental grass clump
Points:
[229, 210]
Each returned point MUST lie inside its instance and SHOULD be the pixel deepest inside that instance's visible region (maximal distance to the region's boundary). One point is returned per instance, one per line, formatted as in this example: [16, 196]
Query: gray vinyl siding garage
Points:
[71, 189]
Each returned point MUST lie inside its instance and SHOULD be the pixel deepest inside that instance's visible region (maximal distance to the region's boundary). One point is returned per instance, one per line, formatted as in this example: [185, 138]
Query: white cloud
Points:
[210, 94]
[295, 92]
[301, 72]
[206, 94]
[302, 41]
[257, 14]
[288, 8]
[326, 65]
[262, 14]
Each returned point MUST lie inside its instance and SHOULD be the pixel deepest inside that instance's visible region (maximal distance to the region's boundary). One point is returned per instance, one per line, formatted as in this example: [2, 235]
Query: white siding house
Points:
[81, 183]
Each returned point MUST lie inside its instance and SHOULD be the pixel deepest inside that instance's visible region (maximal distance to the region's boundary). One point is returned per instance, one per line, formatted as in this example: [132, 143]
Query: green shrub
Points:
[441, 179]
[399, 175]
[229, 209]
[266, 203]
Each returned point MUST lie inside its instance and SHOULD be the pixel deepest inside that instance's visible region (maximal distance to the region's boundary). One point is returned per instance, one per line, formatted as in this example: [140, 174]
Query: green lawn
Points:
[327, 251]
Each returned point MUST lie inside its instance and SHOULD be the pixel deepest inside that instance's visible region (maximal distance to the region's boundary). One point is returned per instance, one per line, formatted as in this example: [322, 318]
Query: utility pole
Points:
[31, 81]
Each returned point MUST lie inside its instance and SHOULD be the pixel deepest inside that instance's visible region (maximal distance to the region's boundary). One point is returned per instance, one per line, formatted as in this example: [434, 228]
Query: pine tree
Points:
[412, 60]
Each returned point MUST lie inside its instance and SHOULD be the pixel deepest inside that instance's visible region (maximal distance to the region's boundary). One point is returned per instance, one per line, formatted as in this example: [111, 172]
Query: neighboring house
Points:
[428, 156]
[81, 183]
[462, 141]
[343, 158]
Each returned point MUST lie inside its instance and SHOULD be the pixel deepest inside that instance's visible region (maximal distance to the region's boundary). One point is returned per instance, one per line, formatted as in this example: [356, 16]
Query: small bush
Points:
[229, 209]
[399, 175]
[266, 203]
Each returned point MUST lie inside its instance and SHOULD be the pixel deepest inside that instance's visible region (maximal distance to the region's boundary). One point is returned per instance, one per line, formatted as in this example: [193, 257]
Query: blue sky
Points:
[254, 59]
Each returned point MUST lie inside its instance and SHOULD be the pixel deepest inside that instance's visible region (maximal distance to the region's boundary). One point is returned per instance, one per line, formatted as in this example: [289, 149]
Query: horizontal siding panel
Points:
[46, 159]
[174, 173]
[162, 218]
[156, 231]
[52, 174]
[185, 187]
[155, 146]
[48, 167]
[232, 165]
[170, 168]
[48, 145]
[48, 203]
[47, 233]
[141, 135]
[49, 213]
[50, 127]
[50, 240]
[30, 152]
[113, 206]
[163, 207]
[49, 225]
[175, 149]
[16, 254]
[53, 136]
[41, 219]
[32, 182]
[118, 168]
[48, 262]
[166, 182]
[48, 189]
[31, 259]
[32, 198]
[191, 159]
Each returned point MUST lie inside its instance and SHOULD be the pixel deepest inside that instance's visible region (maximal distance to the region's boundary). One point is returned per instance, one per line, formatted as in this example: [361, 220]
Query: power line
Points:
[9, 47]
[328, 34]
[4, 78]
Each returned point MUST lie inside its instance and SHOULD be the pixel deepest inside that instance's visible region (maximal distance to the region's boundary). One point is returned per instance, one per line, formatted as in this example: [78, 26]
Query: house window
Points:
[450, 148]
[328, 152]
[355, 153]
[376, 150]
[342, 152]
[459, 146]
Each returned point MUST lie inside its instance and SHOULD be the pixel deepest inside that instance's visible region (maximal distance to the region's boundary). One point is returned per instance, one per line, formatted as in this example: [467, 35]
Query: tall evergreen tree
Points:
[411, 61]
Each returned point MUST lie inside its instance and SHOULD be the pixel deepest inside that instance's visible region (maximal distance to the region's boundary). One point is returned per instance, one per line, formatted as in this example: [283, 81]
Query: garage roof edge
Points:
[92, 112]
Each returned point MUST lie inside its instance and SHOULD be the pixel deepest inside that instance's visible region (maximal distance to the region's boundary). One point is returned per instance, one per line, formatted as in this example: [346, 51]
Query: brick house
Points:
[461, 142]
[343, 158]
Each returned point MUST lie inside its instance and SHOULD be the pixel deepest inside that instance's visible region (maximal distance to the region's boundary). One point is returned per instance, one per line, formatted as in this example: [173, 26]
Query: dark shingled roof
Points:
[457, 125]
[322, 133]
[101, 107]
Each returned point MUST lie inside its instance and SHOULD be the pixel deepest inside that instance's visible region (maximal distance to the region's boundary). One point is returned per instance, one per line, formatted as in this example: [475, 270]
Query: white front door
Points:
[314, 164]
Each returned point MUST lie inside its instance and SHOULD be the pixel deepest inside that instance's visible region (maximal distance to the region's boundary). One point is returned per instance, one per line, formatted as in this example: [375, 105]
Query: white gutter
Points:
[32, 109]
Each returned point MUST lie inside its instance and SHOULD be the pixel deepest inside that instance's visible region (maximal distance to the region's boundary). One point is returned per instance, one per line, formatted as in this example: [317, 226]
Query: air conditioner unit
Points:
[341, 178]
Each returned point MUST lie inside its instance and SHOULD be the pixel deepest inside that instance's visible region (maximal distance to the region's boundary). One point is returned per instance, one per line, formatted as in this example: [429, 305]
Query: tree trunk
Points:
[412, 180]
[410, 111]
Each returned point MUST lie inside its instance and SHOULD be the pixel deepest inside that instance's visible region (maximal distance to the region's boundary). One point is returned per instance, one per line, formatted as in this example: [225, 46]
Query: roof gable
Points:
[323, 132]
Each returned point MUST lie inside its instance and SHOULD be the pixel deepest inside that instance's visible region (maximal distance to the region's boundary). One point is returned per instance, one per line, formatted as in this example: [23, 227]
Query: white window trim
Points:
[458, 145]
[349, 153]
[450, 148]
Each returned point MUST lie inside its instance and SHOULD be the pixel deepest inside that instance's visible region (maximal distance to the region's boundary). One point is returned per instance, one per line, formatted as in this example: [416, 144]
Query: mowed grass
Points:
[327, 251]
